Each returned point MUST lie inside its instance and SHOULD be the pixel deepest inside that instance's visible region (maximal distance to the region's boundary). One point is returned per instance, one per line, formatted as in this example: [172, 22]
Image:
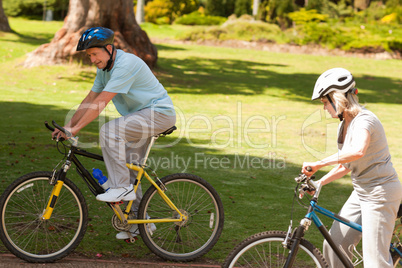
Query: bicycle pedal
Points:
[117, 203]
[129, 241]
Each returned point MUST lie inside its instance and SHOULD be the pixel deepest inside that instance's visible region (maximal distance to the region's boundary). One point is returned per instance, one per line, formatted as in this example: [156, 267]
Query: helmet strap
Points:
[110, 61]
[333, 106]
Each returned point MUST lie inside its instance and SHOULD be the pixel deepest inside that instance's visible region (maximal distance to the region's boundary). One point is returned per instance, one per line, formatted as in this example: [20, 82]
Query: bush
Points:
[319, 33]
[197, 18]
[223, 8]
[158, 9]
[304, 16]
[395, 45]
[253, 31]
[242, 7]
[34, 8]
[240, 29]
[353, 37]
[170, 9]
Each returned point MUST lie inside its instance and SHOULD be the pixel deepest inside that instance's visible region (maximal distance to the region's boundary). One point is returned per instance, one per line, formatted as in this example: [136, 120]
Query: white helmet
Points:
[336, 79]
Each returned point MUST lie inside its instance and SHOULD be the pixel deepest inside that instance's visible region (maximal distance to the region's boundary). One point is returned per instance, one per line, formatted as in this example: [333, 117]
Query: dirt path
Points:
[9, 260]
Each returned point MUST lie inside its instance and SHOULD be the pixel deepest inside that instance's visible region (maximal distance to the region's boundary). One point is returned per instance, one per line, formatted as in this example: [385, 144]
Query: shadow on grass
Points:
[87, 76]
[38, 40]
[241, 77]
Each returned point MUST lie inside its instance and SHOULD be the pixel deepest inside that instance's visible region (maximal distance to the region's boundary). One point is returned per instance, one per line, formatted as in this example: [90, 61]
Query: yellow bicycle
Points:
[44, 215]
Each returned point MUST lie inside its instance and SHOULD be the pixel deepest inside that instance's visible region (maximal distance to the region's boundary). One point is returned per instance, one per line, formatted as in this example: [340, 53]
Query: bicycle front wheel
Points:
[266, 250]
[192, 238]
[26, 234]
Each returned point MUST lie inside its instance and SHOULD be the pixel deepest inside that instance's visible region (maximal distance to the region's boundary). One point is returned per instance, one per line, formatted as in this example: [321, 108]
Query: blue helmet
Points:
[95, 37]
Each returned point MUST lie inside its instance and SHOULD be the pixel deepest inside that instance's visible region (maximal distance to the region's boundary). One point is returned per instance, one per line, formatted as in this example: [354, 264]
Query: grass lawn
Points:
[245, 124]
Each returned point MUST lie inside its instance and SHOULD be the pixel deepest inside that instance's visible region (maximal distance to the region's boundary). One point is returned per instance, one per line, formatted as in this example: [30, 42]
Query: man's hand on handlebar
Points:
[60, 133]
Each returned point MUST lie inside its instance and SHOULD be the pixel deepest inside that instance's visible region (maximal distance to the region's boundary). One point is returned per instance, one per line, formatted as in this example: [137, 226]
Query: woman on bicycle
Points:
[363, 151]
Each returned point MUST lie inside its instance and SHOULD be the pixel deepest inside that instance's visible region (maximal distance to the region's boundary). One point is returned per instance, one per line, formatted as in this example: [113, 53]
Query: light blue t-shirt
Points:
[136, 85]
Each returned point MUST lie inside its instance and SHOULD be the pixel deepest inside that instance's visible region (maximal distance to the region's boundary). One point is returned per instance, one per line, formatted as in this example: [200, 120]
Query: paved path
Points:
[9, 260]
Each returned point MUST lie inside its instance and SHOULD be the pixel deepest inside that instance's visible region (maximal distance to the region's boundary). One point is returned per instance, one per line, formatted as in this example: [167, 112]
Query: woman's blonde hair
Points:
[348, 103]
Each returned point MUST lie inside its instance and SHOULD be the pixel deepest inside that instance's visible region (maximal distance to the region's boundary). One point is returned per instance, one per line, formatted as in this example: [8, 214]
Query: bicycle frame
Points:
[312, 216]
[97, 189]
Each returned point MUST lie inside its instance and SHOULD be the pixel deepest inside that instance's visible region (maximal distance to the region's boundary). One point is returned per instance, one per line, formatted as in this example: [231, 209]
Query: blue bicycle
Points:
[291, 249]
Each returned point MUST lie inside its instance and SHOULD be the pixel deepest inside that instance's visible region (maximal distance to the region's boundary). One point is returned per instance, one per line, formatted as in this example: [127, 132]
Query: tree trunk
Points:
[4, 26]
[117, 15]
[256, 5]
[139, 15]
[361, 4]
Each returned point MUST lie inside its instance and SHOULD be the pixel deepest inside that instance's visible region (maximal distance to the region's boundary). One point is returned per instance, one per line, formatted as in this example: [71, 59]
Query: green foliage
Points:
[349, 36]
[323, 34]
[34, 8]
[277, 12]
[166, 11]
[374, 13]
[395, 45]
[198, 18]
[340, 10]
[317, 4]
[222, 8]
[303, 16]
[239, 29]
[243, 7]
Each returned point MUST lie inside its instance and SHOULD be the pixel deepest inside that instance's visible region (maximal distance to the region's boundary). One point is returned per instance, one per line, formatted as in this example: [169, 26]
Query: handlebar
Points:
[58, 127]
[68, 134]
[307, 184]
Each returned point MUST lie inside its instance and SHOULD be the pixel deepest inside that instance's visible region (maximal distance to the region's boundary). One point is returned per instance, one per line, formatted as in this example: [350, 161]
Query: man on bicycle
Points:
[144, 105]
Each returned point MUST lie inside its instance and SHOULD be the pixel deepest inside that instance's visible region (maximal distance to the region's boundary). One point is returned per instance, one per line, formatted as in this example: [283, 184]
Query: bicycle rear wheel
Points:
[182, 241]
[26, 234]
[266, 250]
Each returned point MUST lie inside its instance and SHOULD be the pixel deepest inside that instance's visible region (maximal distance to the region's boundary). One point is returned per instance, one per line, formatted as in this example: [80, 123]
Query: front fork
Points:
[295, 241]
[57, 180]
[47, 213]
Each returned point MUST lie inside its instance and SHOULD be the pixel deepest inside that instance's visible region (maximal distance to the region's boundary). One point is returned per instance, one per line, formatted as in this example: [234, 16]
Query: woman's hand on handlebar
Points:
[309, 168]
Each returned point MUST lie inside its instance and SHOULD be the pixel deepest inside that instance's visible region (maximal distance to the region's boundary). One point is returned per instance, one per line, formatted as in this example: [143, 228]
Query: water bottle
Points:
[102, 180]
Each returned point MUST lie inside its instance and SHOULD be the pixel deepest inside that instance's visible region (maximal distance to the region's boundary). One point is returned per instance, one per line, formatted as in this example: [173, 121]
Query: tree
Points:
[278, 10]
[139, 15]
[242, 7]
[222, 8]
[117, 15]
[361, 4]
[256, 5]
[4, 26]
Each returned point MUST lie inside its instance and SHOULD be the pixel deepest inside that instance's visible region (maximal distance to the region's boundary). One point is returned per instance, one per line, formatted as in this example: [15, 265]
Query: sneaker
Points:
[135, 231]
[117, 194]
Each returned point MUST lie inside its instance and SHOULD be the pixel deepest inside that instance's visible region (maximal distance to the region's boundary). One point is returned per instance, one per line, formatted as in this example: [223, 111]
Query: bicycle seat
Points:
[167, 132]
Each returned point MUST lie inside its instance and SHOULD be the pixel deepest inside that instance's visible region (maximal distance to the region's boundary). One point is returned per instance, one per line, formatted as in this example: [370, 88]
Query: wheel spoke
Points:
[266, 250]
[193, 237]
[30, 237]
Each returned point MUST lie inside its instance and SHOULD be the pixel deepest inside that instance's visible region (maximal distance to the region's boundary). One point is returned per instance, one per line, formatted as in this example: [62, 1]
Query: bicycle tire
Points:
[266, 250]
[189, 240]
[23, 231]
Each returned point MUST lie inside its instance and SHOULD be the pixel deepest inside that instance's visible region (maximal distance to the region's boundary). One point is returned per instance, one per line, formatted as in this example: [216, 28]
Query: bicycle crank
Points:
[118, 225]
